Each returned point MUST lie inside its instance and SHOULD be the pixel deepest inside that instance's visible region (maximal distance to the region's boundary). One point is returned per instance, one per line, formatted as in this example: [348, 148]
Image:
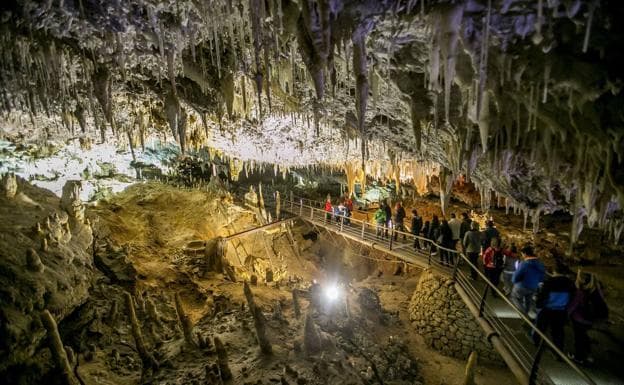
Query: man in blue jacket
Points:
[526, 280]
[553, 298]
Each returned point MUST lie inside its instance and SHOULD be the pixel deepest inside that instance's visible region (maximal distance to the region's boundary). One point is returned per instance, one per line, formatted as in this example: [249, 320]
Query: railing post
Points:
[311, 212]
[536, 361]
[363, 228]
[300, 207]
[429, 258]
[391, 237]
[482, 304]
[341, 222]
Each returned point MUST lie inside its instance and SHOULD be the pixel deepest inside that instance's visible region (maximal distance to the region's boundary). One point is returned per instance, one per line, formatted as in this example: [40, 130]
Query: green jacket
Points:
[380, 216]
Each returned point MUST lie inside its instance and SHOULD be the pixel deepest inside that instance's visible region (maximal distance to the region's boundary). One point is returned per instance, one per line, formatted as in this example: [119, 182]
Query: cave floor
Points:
[153, 223]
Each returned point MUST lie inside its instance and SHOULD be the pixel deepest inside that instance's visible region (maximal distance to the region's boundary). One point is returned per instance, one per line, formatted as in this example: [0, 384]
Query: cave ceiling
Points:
[522, 97]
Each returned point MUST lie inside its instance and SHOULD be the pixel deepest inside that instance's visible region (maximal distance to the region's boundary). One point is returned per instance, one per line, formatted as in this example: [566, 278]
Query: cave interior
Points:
[162, 162]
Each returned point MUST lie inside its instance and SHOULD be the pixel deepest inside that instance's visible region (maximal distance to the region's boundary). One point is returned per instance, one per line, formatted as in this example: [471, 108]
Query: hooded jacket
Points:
[529, 274]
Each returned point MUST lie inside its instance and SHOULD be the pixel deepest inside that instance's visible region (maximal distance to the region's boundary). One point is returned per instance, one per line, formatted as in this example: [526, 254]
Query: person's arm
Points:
[543, 292]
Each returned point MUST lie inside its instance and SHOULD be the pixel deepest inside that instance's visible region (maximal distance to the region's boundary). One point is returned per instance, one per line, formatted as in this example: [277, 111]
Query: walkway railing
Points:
[503, 322]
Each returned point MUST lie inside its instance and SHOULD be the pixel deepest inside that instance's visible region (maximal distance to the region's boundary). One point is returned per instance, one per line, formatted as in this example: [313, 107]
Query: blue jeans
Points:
[523, 298]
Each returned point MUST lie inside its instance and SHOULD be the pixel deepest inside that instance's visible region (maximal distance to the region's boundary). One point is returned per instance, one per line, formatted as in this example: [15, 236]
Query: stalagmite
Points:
[295, 298]
[471, 365]
[259, 321]
[311, 336]
[222, 360]
[277, 205]
[58, 351]
[185, 322]
[149, 362]
[9, 185]
[33, 261]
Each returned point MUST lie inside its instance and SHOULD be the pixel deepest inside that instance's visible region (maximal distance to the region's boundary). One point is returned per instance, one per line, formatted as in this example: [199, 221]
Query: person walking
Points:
[455, 225]
[472, 247]
[388, 210]
[586, 307]
[552, 300]
[380, 219]
[512, 260]
[425, 233]
[399, 217]
[465, 225]
[434, 232]
[526, 279]
[328, 209]
[493, 261]
[417, 224]
[445, 239]
[489, 233]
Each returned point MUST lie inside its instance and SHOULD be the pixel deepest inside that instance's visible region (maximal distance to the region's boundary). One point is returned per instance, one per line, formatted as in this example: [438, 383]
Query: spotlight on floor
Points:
[331, 292]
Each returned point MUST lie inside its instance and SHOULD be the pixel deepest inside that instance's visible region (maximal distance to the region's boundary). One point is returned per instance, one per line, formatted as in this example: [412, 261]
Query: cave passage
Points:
[311, 192]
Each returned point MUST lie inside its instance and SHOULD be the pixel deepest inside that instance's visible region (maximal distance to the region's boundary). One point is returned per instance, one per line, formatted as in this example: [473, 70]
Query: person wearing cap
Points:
[526, 279]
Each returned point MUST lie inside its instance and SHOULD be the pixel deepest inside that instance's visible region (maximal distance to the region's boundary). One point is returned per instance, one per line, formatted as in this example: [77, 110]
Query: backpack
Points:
[499, 259]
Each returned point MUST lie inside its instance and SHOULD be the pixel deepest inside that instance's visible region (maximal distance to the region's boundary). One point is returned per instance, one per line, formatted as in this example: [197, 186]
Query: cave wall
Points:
[45, 263]
[441, 317]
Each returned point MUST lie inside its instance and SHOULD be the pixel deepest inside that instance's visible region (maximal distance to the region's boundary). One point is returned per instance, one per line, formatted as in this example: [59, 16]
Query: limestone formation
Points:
[471, 367]
[9, 185]
[311, 336]
[148, 360]
[222, 360]
[296, 308]
[58, 350]
[33, 261]
[185, 322]
[259, 321]
[70, 200]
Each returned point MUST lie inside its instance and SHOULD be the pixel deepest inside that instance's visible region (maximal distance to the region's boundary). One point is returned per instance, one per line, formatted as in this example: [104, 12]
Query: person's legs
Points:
[451, 258]
[541, 323]
[474, 257]
[517, 297]
[581, 341]
[557, 323]
[507, 284]
[529, 300]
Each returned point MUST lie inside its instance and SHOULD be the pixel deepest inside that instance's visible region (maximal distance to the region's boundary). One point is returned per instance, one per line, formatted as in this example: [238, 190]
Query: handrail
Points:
[289, 205]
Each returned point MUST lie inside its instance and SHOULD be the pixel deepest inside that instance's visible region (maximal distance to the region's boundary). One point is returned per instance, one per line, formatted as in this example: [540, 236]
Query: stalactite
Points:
[590, 17]
[361, 96]
[451, 24]
[256, 27]
[484, 60]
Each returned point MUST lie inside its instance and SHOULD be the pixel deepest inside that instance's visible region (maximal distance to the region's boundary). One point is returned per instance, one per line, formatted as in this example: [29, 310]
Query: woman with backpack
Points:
[493, 262]
[587, 306]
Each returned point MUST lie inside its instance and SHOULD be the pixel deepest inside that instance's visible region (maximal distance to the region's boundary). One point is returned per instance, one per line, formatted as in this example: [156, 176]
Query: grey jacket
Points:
[472, 242]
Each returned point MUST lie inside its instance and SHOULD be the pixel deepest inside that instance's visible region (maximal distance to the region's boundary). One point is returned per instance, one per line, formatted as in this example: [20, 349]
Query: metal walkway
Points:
[505, 326]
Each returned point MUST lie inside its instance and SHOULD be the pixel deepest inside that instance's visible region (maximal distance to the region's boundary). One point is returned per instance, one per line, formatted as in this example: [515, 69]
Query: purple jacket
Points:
[579, 308]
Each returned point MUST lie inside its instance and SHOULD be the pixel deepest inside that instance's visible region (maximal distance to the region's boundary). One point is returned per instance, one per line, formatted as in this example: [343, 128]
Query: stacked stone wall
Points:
[438, 314]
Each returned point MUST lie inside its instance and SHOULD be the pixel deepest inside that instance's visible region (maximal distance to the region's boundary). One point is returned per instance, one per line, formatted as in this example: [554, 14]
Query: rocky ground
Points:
[147, 309]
